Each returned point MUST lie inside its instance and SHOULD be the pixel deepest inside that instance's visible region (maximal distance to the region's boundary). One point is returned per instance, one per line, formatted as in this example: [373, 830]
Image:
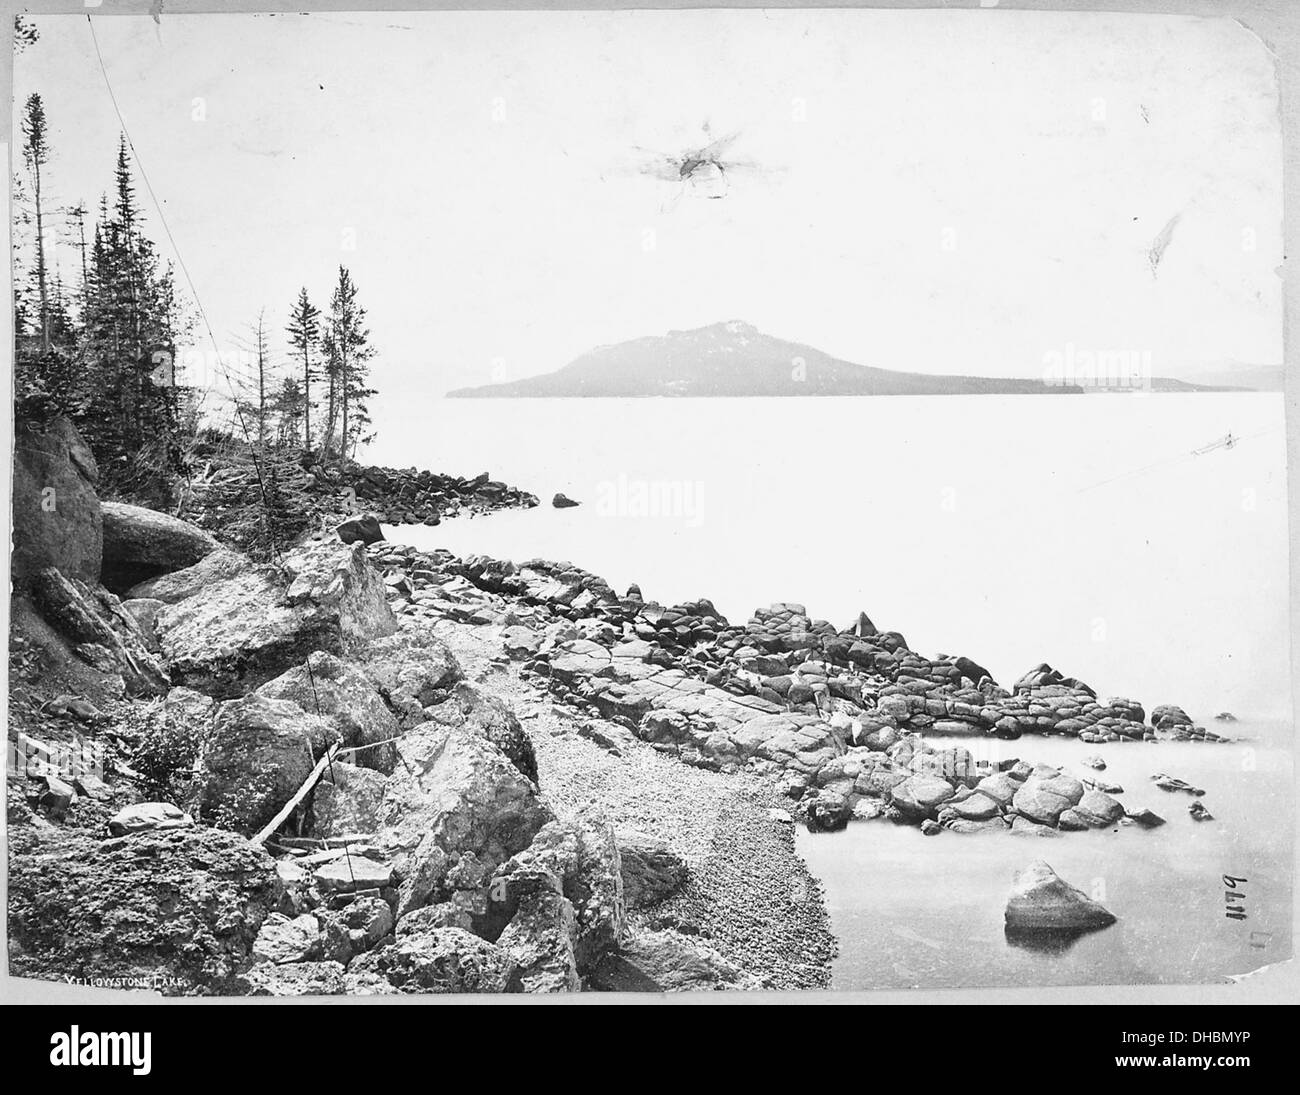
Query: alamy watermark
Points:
[672, 499]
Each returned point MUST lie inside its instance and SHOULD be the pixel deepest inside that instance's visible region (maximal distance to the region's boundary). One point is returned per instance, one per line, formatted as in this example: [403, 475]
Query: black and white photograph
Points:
[724, 502]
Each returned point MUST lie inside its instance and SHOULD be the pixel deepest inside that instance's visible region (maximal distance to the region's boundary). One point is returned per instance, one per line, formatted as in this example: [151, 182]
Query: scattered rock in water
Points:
[1022, 826]
[1225, 716]
[1199, 812]
[1169, 783]
[1148, 819]
[1044, 797]
[1167, 716]
[828, 810]
[1041, 900]
[1094, 761]
[930, 828]
[561, 501]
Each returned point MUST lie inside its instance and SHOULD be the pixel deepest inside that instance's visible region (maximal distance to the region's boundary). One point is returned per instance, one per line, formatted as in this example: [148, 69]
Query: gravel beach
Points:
[749, 895]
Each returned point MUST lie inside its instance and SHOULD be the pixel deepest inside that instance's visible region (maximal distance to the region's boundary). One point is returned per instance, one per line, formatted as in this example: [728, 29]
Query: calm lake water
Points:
[1080, 531]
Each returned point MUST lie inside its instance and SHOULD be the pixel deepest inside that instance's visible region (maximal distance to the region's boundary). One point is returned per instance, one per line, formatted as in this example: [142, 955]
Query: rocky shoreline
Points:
[366, 769]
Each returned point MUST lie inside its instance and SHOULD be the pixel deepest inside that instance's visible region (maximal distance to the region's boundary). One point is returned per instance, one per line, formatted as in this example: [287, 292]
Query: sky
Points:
[931, 191]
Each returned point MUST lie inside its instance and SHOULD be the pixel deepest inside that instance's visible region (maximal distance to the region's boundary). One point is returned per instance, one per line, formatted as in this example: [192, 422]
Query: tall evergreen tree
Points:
[352, 352]
[36, 154]
[304, 334]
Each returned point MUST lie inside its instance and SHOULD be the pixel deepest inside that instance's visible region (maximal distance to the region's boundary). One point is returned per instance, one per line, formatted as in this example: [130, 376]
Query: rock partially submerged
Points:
[1042, 901]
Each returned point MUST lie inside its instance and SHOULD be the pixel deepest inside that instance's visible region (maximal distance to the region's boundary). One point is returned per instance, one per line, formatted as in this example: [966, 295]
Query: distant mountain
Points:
[736, 359]
[1236, 375]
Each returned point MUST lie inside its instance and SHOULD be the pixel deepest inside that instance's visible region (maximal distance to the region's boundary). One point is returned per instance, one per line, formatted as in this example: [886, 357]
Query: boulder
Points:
[652, 871]
[57, 520]
[351, 873]
[219, 566]
[489, 716]
[436, 960]
[1148, 819]
[329, 686]
[237, 634]
[354, 929]
[539, 940]
[1043, 799]
[1041, 900]
[413, 670]
[257, 755]
[1165, 716]
[1098, 810]
[347, 801]
[584, 857]
[827, 810]
[91, 622]
[184, 905]
[560, 501]
[144, 816]
[282, 939]
[919, 797]
[363, 530]
[453, 792]
[664, 961]
[142, 543]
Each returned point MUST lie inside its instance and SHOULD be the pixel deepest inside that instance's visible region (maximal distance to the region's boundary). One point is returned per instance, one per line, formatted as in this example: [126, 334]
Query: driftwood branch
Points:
[299, 795]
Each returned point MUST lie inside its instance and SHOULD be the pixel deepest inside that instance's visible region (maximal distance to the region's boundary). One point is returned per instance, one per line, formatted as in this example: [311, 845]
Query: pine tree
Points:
[351, 345]
[288, 407]
[36, 154]
[304, 334]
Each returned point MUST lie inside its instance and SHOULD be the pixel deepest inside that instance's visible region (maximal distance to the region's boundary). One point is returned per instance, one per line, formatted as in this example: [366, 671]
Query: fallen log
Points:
[299, 795]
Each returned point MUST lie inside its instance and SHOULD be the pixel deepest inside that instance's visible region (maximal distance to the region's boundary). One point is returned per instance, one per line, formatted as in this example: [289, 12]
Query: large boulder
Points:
[142, 543]
[233, 635]
[56, 514]
[584, 857]
[362, 529]
[220, 566]
[453, 793]
[1041, 900]
[663, 961]
[329, 686]
[179, 909]
[256, 756]
[1044, 799]
[436, 960]
[413, 669]
[94, 626]
[491, 717]
[919, 797]
[539, 940]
